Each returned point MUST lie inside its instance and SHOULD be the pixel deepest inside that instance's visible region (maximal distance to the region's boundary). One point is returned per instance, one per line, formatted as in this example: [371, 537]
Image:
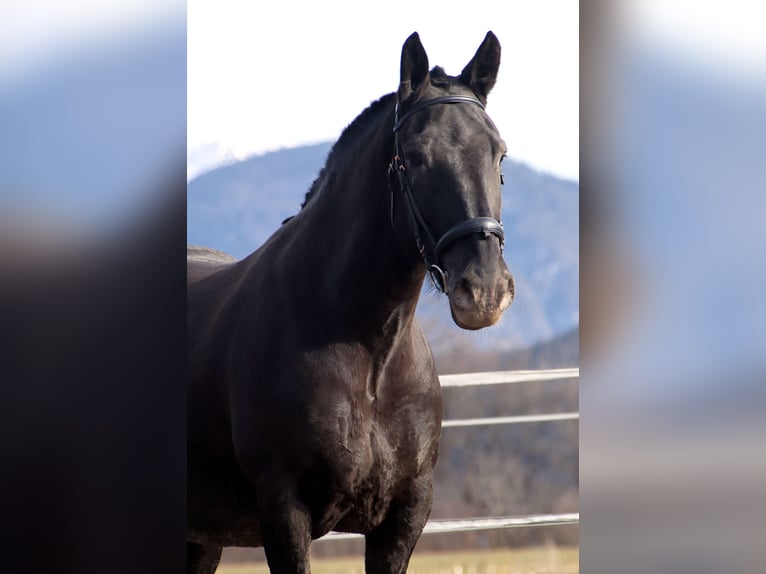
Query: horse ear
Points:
[414, 68]
[481, 71]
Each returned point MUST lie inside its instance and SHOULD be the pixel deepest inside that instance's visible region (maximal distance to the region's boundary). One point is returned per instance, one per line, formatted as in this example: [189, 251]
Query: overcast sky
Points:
[265, 76]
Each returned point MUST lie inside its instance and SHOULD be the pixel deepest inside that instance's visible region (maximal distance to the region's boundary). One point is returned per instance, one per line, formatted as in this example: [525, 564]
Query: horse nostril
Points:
[464, 291]
[511, 286]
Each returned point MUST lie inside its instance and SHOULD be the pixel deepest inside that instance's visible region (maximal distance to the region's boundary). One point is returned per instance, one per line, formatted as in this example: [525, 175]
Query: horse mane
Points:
[349, 134]
[438, 78]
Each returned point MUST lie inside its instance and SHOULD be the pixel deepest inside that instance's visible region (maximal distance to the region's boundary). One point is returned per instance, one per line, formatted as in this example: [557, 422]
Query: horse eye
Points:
[414, 159]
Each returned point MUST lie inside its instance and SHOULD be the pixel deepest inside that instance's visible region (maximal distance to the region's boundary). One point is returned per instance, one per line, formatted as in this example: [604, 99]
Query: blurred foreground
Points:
[672, 398]
[92, 309]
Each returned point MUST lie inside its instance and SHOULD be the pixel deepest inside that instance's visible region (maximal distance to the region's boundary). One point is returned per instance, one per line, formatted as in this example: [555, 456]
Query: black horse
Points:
[313, 400]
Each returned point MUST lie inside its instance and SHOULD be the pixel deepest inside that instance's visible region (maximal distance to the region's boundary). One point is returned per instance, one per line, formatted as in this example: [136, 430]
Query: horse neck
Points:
[350, 251]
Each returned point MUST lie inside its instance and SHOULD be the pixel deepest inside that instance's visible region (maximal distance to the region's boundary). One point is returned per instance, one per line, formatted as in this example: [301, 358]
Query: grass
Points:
[540, 560]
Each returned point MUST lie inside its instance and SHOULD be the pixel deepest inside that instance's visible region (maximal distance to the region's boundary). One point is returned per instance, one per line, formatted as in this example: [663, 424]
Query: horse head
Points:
[447, 156]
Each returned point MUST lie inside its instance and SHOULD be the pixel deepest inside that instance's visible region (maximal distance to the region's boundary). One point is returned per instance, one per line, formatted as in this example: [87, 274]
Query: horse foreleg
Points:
[389, 546]
[286, 527]
[202, 559]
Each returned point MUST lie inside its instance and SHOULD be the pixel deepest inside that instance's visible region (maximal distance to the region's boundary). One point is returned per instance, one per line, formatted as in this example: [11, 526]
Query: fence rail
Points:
[508, 377]
[488, 523]
[511, 420]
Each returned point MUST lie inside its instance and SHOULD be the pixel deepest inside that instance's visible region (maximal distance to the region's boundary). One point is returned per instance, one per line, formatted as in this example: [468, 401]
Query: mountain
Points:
[236, 207]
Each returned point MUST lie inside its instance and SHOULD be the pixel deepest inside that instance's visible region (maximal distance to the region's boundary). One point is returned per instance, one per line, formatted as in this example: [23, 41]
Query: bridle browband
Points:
[429, 248]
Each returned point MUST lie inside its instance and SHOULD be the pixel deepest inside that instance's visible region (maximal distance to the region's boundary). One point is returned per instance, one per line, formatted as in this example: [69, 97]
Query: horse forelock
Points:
[440, 79]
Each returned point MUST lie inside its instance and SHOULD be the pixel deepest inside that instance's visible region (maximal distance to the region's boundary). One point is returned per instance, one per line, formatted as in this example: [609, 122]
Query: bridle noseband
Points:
[429, 248]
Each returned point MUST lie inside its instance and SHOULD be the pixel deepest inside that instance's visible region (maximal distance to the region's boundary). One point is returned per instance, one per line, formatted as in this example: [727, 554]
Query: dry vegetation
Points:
[534, 560]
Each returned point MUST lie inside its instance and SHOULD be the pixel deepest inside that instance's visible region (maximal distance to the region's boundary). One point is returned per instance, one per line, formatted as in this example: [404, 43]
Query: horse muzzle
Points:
[478, 299]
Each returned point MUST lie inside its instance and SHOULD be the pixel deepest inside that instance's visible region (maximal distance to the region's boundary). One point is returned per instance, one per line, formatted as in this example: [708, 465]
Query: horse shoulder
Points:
[424, 364]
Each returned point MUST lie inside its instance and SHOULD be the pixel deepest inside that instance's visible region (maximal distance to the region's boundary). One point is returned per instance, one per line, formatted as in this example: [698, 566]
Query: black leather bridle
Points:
[429, 248]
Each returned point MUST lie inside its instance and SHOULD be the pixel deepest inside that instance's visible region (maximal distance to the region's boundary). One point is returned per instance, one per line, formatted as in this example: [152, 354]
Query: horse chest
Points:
[371, 488]
[378, 449]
